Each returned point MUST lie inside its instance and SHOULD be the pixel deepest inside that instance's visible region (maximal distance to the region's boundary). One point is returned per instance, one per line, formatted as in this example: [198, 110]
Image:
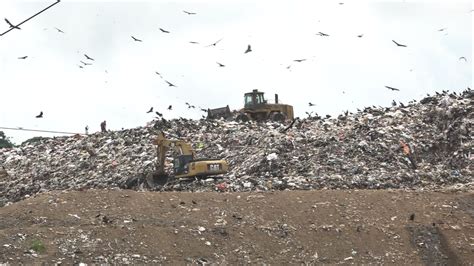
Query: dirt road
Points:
[287, 227]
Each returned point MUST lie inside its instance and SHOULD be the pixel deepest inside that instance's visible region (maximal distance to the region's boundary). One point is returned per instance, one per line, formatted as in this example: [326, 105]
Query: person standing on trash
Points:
[103, 126]
[408, 151]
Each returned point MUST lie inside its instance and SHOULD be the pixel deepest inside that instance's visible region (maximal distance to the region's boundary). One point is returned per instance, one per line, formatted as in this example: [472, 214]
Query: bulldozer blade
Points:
[217, 113]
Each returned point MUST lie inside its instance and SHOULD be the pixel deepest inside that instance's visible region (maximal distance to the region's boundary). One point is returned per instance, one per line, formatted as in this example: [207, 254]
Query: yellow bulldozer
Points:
[185, 164]
[255, 108]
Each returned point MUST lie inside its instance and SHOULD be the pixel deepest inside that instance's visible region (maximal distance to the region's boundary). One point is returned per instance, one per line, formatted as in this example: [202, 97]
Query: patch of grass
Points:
[37, 246]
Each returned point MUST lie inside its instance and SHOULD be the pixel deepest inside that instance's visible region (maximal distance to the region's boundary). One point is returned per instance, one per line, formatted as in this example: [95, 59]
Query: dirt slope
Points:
[351, 226]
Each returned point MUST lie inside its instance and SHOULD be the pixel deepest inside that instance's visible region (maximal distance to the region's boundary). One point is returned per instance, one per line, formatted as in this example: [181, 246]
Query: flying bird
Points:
[443, 29]
[392, 88]
[151, 110]
[249, 49]
[462, 57]
[80, 66]
[215, 43]
[299, 60]
[11, 25]
[163, 30]
[159, 114]
[170, 84]
[400, 45]
[88, 57]
[189, 13]
[311, 104]
[322, 34]
[158, 74]
[170, 107]
[360, 35]
[23, 57]
[204, 110]
[135, 39]
[220, 65]
[59, 30]
[193, 42]
[412, 217]
[86, 64]
[40, 115]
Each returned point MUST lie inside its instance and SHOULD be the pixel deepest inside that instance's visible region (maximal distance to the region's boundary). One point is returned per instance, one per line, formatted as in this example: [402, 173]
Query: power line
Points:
[38, 130]
[31, 17]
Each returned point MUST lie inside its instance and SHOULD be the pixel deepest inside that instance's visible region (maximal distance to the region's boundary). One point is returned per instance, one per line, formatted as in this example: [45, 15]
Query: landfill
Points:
[425, 144]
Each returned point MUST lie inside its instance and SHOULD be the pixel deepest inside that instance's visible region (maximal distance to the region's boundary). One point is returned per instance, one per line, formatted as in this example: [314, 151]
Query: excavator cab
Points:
[180, 164]
[253, 99]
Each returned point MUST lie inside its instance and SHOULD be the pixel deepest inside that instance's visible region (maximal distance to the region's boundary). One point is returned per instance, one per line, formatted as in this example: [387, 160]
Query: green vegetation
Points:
[5, 141]
[37, 246]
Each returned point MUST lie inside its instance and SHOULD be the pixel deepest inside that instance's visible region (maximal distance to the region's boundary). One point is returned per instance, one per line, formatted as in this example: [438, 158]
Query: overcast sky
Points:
[342, 71]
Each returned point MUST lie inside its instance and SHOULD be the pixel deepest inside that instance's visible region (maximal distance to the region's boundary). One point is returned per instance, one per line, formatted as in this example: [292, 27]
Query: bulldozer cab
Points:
[254, 98]
[180, 162]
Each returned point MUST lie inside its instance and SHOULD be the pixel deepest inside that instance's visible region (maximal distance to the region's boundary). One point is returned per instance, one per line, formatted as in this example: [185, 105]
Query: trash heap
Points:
[426, 144]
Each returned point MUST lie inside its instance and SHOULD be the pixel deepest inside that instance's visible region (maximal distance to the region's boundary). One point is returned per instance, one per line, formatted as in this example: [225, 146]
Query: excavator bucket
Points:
[154, 179]
[223, 112]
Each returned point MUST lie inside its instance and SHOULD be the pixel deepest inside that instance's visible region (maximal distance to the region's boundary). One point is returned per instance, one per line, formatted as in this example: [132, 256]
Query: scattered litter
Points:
[426, 144]
[75, 216]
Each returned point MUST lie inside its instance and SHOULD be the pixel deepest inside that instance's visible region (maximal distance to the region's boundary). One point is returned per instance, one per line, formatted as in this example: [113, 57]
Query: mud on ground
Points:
[285, 227]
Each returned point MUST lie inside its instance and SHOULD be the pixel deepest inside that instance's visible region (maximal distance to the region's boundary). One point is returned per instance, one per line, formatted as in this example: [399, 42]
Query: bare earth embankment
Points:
[331, 227]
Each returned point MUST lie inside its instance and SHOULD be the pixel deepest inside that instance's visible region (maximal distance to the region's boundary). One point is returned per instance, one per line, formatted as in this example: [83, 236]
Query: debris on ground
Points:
[420, 145]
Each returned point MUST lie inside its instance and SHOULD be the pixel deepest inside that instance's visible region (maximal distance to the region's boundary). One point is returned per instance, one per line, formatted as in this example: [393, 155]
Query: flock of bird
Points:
[89, 60]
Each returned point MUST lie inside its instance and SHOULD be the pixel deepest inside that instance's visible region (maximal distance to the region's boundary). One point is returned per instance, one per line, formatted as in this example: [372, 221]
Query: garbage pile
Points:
[426, 144]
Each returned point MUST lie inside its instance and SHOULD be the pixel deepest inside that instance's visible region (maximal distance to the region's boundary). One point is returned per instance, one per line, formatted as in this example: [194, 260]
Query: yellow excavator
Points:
[184, 164]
